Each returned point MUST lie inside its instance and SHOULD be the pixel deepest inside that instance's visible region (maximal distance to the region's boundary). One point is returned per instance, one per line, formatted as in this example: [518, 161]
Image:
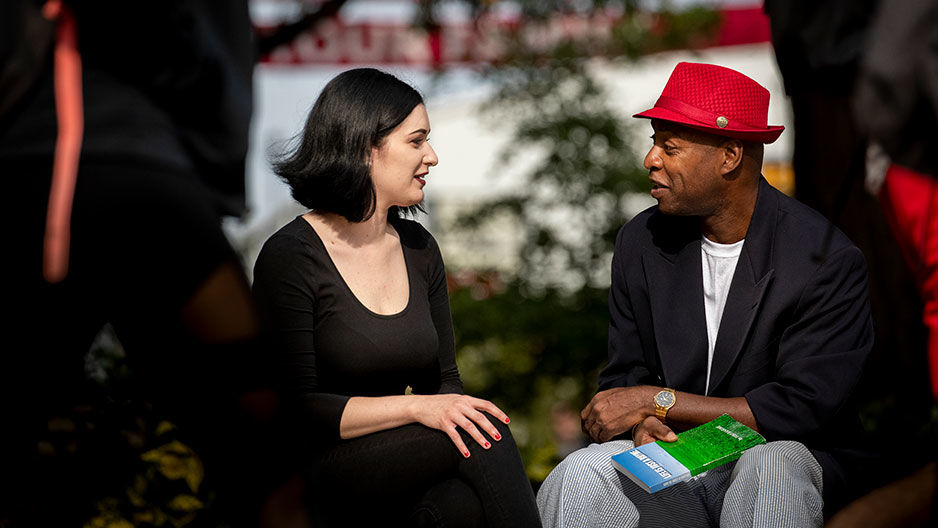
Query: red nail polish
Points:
[487, 445]
[507, 420]
[466, 454]
[498, 436]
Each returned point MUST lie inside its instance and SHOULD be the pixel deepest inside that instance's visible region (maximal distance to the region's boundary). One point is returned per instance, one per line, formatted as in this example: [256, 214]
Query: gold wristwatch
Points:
[664, 400]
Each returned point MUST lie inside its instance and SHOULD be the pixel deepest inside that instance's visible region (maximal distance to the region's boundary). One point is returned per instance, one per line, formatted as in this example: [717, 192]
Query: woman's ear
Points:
[372, 156]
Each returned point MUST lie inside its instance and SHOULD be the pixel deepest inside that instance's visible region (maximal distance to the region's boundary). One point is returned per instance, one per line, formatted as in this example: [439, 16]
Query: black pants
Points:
[415, 476]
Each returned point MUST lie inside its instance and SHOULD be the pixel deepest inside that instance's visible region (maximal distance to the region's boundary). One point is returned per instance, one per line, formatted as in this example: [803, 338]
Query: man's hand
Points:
[651, 429]
[614, 411]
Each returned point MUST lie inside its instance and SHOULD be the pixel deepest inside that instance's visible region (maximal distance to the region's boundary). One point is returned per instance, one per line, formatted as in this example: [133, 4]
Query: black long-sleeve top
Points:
[331, 346]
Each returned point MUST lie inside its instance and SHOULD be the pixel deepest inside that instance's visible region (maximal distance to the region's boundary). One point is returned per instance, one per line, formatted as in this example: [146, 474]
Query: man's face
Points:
[684, 169]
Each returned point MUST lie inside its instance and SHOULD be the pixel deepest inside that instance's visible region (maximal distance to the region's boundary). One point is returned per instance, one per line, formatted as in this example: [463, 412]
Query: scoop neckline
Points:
[348, 289]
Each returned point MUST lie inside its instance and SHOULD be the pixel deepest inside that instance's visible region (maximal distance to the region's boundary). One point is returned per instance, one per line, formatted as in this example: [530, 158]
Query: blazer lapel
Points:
[750, 280]
[675, 291]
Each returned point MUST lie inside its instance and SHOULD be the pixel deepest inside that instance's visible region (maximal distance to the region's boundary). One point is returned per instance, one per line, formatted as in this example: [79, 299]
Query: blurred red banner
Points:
[335, 42]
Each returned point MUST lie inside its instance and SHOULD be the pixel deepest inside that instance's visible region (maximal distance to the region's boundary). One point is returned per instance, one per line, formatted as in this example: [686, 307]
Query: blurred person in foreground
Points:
[863, 81]
[726, 298]
[123, 133]
[896, 104]
[355, 297]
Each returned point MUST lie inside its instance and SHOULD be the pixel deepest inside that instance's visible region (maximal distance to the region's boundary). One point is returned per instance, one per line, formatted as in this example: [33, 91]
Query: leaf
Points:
[185, 503]
[177, 461]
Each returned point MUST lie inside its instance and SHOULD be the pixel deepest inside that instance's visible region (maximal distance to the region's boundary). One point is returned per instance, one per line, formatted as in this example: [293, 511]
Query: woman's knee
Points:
[452, 503]
[503, 429]
[502, 437]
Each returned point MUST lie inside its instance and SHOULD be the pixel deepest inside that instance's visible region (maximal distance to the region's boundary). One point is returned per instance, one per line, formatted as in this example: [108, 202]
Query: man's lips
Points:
[420, 178]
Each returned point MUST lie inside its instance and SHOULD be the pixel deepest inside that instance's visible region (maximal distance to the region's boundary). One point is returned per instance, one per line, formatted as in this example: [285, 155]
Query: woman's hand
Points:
[446, 412]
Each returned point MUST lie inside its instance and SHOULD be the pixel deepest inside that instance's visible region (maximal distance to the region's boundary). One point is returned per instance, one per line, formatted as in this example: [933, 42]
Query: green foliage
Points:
[570, 207]
[517, 338]
[688, 28]
[527, 354]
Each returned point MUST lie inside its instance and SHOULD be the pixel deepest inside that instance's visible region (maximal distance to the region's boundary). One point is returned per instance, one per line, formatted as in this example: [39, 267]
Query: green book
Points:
[657, 465]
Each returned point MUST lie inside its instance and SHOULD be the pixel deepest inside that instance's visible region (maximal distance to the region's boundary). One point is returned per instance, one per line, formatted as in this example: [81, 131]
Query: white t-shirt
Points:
[719, 264]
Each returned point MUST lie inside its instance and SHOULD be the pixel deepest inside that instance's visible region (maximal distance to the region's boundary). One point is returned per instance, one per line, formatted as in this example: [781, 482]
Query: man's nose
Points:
[652, 159]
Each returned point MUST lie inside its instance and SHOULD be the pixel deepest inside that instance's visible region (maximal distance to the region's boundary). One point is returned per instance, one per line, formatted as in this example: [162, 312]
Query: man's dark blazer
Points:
[795, 331]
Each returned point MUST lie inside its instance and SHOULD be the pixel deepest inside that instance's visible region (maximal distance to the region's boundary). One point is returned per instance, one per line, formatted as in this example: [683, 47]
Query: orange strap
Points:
[70, 116]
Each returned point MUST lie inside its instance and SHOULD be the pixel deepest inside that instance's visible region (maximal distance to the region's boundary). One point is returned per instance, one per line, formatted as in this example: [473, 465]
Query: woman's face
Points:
[400, 164]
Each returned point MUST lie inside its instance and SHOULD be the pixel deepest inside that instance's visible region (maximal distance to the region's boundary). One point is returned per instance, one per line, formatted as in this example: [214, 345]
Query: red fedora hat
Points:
[716, 100]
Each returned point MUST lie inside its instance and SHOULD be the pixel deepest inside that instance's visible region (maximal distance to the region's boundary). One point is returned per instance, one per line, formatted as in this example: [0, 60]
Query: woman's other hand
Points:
[447, 412]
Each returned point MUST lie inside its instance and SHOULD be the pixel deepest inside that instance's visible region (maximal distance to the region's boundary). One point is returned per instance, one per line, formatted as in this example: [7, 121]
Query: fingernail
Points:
[465, 454]
[507, 420]
[498, 436]
[487, 445]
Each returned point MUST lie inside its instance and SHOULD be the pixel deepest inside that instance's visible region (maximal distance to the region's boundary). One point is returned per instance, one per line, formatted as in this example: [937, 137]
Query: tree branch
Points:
[286, 33]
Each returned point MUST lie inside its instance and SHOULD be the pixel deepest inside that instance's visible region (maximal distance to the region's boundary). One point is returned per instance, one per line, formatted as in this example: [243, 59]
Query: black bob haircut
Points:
[329, 168]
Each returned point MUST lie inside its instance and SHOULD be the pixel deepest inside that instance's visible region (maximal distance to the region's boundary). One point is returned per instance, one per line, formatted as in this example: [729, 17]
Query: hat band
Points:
[704, 117]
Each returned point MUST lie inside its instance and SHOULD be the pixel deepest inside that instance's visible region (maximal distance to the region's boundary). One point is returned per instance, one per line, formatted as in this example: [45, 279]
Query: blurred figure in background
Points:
[123, 133]
[896, 105]
[565, 426]
[863, 79]
[819, 47]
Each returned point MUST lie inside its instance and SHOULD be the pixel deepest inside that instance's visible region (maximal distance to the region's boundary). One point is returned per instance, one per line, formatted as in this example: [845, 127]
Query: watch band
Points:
[664, 400]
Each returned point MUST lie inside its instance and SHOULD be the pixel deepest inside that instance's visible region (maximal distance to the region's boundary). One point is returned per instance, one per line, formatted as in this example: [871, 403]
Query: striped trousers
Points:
[777, 484]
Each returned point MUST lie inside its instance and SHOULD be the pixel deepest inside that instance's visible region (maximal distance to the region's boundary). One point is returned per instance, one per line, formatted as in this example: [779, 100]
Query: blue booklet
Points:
[657, 465]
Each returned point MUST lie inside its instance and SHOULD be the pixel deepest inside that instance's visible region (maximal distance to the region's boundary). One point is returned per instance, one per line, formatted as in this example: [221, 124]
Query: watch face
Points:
[664, 398]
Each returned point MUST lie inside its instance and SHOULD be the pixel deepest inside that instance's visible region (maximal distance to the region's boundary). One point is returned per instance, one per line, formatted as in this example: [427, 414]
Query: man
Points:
[727, 297]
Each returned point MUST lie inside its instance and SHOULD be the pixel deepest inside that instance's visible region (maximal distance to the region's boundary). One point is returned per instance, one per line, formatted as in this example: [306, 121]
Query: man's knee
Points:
[776, 454]
[775, 484]
[588, 463]
[783, 457]
[584, 490]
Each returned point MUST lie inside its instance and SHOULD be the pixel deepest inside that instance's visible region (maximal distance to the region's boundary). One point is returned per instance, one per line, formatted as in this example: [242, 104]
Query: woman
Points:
[356, 298]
